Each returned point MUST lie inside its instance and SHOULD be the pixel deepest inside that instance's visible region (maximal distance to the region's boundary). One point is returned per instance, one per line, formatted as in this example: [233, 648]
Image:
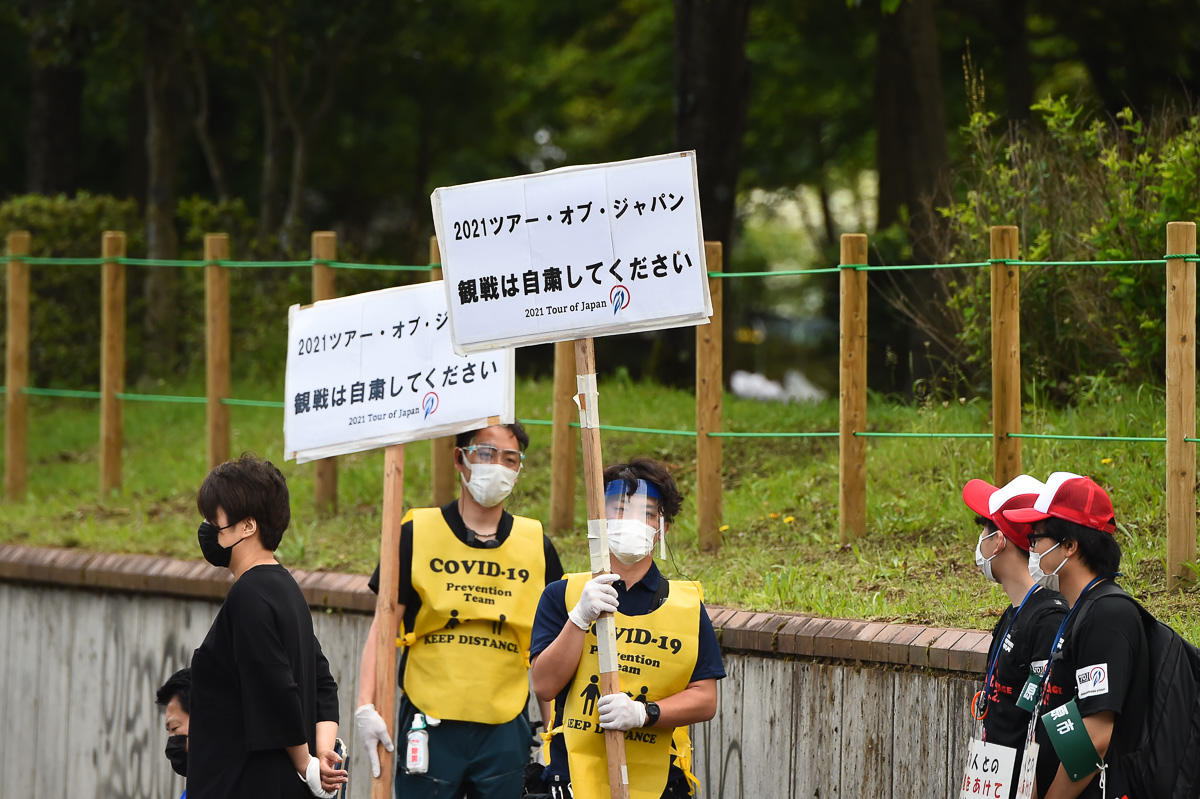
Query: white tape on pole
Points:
[589, 411]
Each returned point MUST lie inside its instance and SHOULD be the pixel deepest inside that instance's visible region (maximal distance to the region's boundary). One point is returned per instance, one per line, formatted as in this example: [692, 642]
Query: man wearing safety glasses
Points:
[667, 652]
[1021, 640]
[470, 577]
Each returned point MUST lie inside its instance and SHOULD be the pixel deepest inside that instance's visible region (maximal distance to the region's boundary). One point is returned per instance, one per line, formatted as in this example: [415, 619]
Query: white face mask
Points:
[630, 540]
[1040, 577]
[490, 483]
[985, 564]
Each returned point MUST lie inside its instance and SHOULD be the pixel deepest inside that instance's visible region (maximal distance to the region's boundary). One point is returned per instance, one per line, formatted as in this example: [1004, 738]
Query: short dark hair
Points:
[248, 487]
[1098, 550]
[986, 524]
[179, 685]
[465, 439]
[652, 472]
[992, 527]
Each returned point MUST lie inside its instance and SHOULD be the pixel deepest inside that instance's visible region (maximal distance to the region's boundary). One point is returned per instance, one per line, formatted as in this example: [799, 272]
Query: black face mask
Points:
[210, 546]
[177, 753]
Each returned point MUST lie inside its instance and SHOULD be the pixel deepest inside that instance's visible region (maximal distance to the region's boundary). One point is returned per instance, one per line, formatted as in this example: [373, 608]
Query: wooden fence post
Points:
[1006, 354]
[443, 477]
[16, 368]
[709, 389]
[562, 441]
[1181, 403]
[852, 390]
[216, 339]
[112, 361]
[324, 287]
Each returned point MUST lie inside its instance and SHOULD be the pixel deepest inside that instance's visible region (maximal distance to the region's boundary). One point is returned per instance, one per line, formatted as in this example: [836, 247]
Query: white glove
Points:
[598, 597]
[619, 712]
[312, 778]
[373, 731]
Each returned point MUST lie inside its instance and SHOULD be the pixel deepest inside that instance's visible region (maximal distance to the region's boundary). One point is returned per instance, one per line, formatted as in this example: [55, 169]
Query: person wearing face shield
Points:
[1103, 652]
[469, 580]
[1025, 632]
[668, 654]
[175, 698]
[264, 706]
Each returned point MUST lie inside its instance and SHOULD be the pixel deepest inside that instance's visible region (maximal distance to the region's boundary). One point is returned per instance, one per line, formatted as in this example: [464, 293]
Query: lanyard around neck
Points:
[987, 682]
[1058, 640]
[979, 702]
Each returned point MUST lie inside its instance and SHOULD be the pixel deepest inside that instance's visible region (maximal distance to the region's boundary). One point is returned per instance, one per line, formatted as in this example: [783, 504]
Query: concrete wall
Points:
[811, 708]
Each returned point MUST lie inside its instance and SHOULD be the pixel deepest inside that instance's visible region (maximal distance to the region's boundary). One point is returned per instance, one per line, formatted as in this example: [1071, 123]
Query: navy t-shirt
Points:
[635, 600]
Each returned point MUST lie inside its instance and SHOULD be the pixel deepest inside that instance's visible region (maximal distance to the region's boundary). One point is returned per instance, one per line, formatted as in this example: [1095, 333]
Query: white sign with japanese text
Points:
[989, 771]
[574, 252]
[377, 369]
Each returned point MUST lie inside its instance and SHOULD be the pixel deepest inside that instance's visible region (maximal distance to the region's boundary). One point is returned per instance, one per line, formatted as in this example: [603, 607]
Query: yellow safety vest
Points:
[656, 654]
[468, 657]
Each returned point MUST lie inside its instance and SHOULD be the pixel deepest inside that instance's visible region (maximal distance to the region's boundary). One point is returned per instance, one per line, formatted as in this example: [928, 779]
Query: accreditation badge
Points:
[1027, 700]
[989, 770]
[1027, 780]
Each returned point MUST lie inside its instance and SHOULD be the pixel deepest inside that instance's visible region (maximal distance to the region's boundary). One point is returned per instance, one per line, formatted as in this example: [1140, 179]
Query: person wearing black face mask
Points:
[264, 704]
[175, 697]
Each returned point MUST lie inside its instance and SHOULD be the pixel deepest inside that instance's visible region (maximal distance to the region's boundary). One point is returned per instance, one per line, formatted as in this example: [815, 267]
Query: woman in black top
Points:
[264, 705]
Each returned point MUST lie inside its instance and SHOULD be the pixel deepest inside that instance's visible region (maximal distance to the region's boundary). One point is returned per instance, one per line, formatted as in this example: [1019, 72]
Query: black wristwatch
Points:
[652, 714]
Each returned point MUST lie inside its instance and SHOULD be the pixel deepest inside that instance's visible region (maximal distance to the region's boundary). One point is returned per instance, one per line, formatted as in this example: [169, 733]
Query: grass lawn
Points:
[781, 543]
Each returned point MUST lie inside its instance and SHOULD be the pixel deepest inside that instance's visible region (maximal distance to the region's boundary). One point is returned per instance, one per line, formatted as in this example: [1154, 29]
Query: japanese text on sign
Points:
[576, 252]
[378, 368]
[989, 771]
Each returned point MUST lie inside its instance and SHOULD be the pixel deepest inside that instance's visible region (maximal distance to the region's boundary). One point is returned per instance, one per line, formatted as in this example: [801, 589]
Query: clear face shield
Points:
[634, 519]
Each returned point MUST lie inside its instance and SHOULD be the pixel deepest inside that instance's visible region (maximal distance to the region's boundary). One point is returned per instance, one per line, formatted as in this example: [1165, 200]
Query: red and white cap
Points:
[988, 501]
[1073, 498]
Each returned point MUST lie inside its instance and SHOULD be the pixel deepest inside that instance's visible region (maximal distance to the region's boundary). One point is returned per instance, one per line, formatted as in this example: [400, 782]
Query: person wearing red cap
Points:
[1025, 632]
[1103, 651]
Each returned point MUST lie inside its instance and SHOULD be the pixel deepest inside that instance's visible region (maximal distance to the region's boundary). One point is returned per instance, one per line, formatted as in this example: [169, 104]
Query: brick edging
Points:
[909, 645]
[739, 630]
[153, 574]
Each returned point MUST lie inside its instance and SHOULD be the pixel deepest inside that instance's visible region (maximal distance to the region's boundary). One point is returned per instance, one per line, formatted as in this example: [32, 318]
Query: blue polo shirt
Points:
[634, 600]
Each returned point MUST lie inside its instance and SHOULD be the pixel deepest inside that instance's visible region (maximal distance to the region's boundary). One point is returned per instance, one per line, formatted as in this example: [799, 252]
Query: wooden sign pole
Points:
[593, 482]
[386, 605]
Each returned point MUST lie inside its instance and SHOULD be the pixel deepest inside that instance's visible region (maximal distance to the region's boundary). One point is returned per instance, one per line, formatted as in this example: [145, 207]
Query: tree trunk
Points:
[161, 284]
[53, 130]
[293, 215]
[268, 197]
[1013, 35]
[711, 100]
[56, 95]
[212, 156]
[912, 159]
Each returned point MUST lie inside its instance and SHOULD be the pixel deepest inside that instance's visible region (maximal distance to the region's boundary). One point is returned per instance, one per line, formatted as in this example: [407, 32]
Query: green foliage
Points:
[64, 304]
[1080, 188]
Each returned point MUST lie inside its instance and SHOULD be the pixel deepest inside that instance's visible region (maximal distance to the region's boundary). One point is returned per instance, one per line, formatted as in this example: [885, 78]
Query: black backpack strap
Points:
[1106, 588]
[660, 594]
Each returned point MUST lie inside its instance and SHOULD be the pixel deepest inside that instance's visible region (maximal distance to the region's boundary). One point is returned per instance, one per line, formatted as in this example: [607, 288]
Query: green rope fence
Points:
[186, 264]
[232, 264]
[965, 265]
[69, 393]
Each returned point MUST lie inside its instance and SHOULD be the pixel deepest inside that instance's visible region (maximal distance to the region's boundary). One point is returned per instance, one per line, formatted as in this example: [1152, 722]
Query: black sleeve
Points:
[405, 593]
[272, 710]
[554, 569]
[327, 698]
[1105, 651]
